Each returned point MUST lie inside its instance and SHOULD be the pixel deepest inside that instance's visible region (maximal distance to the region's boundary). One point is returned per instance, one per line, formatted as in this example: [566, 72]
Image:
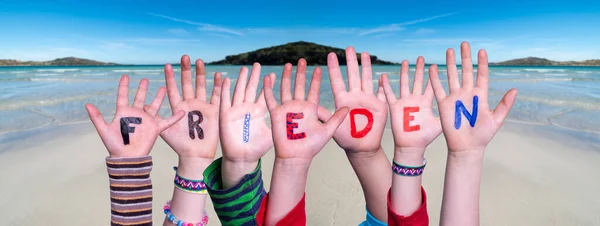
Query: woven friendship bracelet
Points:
[187, 185]
[408, 170]
[178, 222]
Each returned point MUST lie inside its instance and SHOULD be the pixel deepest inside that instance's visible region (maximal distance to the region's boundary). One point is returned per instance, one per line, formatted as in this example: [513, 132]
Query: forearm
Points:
[187, 206]
[460, 204]
[233, 171]
[374, 174]
[130, 190]
[406, 190]
[288, 185]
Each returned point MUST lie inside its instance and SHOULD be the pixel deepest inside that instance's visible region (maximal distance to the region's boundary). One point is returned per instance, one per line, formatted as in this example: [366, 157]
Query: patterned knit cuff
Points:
[239, 204]
[130, 190]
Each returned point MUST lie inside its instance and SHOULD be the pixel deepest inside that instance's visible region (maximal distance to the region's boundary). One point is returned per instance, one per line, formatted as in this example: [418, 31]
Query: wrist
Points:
[292, 164]
[410, 156]
[363, 155]
[192, 167]
[466, 155]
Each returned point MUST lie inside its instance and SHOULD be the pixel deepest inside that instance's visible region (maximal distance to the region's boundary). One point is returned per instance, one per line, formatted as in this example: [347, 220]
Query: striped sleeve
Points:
[130, 190]
[239, 204]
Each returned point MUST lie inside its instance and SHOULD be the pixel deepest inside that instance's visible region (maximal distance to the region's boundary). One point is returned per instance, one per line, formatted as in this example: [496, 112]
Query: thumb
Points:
[96, 117]
[504, 106]
[323, 114]
[168, 122]
[336, 120]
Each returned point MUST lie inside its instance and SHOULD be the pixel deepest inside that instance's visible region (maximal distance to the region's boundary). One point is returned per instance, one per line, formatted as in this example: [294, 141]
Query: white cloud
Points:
[400, 26]
[424, 31]
[115, 46]
[144, 40]
[220, 35]
[201, 26]
[384, 35]
[178, 31]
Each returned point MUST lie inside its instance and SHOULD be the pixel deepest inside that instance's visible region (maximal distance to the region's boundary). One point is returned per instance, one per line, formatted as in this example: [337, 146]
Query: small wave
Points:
[584, 72]
[45, 74]
[562, 102]
[46, 102]
[137, 70]
[544, 70]
[58, 70]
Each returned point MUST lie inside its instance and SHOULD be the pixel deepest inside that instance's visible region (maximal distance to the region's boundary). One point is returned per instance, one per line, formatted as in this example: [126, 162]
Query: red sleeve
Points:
[296, 216]
[418, 218]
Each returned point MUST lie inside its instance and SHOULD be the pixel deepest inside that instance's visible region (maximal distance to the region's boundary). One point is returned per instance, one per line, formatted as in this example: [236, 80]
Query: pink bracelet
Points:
[178, 222]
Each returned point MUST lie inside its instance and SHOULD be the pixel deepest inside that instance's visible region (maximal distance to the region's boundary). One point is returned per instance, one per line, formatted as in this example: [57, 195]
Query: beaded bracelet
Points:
[408, 170]
[178, 222]
[187, 185]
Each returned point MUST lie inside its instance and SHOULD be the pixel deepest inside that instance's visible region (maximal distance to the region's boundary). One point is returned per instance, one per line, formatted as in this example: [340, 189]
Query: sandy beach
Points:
[529, 178]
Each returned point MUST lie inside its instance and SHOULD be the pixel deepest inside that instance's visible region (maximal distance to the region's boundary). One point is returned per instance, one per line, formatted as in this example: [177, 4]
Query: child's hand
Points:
[297, 132]
[362, 130]
[467, 120]
[132, 132]
[197, 135]
[245, 135]
[413, 123]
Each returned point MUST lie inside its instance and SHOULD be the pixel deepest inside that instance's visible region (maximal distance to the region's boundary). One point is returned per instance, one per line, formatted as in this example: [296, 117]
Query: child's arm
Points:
[298, 136]
[194, 139]
[469, 125]
[235, 182]
[361, 132]
[415, 127]
[129, 138]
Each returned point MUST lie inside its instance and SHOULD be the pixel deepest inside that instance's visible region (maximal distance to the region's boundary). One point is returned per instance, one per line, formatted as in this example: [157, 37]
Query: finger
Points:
[172, 91]
[504, 106]
[404, 87]
[168, 122]
[335, 75]
[250, 95]
[380, 91]
[261, 96]
[367, 73]
[453, 82]
[140, 95]
[286, 83]
[225, 95]
[387, 88]
[300, 83]
[269, 98]
[240, 86]
[157, 102]
[428, 91]
[315, 86]
[467, 66]
[216, 92]
[200, 81]
[96, 118]
[336, 120]
[123, 92]
[323, 114]
[438, 89]
[186, 78]
[482, 71]
[353, 72]
[418, 83]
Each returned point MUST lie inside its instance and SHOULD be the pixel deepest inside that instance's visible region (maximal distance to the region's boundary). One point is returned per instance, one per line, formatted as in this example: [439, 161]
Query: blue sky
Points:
[153, 32]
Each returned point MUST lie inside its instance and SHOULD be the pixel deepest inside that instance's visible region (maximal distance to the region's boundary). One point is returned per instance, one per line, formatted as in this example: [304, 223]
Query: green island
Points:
[536, 61]
[314, 54]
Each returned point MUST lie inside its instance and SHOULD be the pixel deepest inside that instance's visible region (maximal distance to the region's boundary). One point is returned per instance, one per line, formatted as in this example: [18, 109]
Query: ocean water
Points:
[39, 97]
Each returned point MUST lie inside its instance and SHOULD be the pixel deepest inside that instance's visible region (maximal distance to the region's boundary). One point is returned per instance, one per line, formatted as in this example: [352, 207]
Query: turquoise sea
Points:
[566, 98]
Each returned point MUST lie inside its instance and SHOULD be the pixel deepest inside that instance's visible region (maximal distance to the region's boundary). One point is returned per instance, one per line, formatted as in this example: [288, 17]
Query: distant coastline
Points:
[536, 61]
[66, 61]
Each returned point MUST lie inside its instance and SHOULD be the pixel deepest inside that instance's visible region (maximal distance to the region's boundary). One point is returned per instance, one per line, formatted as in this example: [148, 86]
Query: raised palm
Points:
[132, 132]
[197, 135]
[297, 132]
[473, 126]
[413, 123]
[364, 135]
[245, 135]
